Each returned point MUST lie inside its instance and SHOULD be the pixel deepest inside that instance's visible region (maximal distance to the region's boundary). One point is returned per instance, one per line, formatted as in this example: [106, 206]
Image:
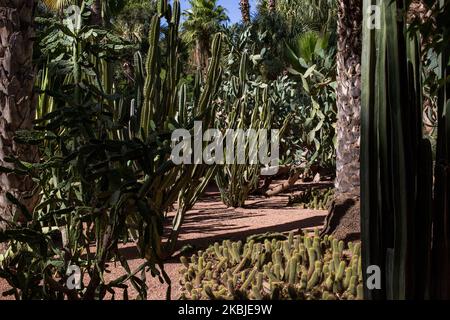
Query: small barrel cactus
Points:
[302, 267]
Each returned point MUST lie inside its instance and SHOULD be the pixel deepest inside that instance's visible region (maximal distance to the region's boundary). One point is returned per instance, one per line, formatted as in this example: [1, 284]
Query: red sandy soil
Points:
[212, 221]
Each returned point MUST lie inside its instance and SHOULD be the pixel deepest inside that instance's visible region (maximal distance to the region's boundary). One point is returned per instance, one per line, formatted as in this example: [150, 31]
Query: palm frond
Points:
[57, 5]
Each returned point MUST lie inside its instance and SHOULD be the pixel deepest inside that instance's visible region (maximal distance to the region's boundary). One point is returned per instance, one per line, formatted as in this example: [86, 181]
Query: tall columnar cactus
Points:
[247, 108]
[396, 163]
[161, 106]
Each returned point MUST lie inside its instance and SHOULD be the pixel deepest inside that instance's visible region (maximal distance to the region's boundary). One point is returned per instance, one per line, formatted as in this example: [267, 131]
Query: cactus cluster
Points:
[315, 199]
[302, 267]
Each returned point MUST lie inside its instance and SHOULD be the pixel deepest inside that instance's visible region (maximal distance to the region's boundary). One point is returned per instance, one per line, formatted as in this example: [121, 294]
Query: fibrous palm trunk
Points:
[245, 11]
[17, 101]
[343, 220]
[202, 54]
[272, 5]
[96, 13]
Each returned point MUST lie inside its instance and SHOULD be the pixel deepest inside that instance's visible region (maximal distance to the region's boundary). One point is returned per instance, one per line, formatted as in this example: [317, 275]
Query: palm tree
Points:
[96, 8]
[343, 219]
[57, 5]
[245, 11]
[17, 103]
[307, 15]
[202, 21]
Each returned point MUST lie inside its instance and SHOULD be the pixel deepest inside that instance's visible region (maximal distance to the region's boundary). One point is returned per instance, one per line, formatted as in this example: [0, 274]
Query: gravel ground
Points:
[211, 221]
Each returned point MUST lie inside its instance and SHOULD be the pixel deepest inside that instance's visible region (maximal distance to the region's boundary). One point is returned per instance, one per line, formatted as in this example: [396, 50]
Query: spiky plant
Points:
[275, 267]
[108, 177]
[244, 107]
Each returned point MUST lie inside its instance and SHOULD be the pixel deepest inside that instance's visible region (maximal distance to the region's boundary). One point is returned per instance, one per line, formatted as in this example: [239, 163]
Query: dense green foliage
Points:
[308, 15]
[105, 176]
[312, 61]
[202, 20]
[110, 94]
[116, 81]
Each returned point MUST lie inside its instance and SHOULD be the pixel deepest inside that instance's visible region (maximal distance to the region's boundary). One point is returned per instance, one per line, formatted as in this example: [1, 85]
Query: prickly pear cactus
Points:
[303, 267]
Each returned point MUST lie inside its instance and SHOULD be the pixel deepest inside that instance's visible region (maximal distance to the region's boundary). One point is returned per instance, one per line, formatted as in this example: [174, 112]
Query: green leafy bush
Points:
[313, 65]
[300, 267]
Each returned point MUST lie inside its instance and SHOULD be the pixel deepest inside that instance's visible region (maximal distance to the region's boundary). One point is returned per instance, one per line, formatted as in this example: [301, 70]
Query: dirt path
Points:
[212, 221]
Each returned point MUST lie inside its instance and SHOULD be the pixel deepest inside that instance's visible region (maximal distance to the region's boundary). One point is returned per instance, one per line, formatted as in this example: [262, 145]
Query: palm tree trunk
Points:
[17, 101]
[272, 5]
[245, 11]
[343, 219]
[96, 13]
[202, 54]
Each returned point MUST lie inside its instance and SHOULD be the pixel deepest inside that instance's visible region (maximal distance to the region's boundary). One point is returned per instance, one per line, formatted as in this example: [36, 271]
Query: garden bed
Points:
[212, 221]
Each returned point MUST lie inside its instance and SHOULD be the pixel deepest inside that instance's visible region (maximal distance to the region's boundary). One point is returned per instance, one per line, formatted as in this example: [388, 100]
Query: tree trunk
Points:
[202, 54]
[343, 219]
[272, 5]
[245, 11]
[96, 13]
[17, 101]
